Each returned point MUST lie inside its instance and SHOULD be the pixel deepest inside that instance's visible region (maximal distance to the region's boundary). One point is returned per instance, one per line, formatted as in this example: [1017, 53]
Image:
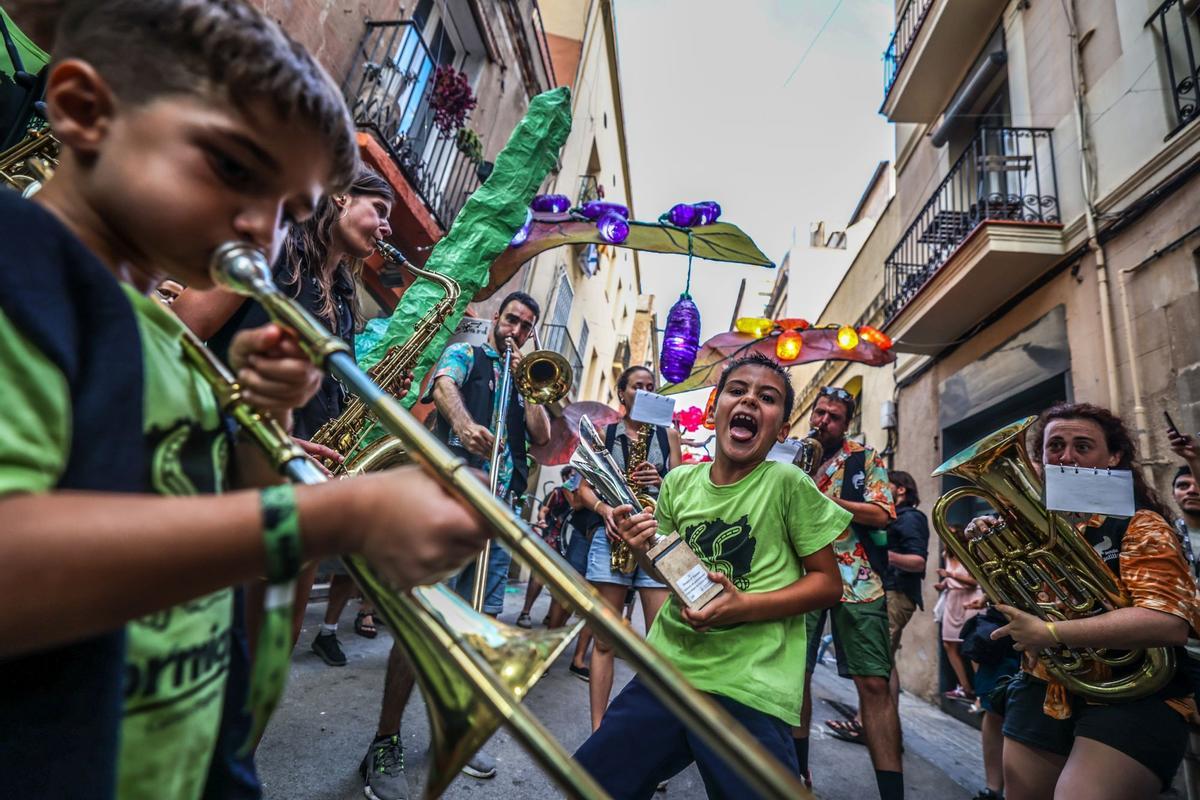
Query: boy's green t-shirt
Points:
[176, 659]
[755, 531]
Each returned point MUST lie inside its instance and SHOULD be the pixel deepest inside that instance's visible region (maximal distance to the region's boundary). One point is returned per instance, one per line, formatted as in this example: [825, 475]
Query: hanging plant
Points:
[451, 99]
[469, 144]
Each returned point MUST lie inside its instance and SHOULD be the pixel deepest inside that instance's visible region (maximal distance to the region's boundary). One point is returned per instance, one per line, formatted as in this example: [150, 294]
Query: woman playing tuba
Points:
[1056, 742]
[662, 451]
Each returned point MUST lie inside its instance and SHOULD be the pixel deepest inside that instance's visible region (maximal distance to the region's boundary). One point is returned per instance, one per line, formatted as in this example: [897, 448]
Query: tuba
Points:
[1036, 561]
[241, 268]
[345, 434]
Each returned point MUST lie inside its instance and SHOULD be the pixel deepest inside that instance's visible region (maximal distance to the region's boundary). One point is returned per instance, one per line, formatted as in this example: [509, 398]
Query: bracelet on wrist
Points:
[281, 532]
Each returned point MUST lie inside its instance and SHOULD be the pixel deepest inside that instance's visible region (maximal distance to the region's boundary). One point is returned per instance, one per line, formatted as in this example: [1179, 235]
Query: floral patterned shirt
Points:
[860, 583]
[1155, 575]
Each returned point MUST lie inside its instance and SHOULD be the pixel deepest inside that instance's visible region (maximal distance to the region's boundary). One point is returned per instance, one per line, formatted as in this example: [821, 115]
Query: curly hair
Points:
[1117, 439]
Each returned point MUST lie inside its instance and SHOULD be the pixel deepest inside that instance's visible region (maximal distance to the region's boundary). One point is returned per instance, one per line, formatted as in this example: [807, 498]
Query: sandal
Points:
[848, 730]
[364, 625]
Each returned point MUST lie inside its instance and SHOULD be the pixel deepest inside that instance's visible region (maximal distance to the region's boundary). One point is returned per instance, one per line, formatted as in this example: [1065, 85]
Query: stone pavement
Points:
[313, 746]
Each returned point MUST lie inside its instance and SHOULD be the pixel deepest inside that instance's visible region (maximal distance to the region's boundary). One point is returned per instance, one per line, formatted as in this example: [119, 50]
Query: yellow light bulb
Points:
[847, 338]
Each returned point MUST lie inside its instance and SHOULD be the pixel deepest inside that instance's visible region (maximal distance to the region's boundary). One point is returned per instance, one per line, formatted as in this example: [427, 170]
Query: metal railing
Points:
[1003, 174]
[589, 189]
[389, 90]
[1179, 29]
[622, 355]
[558, 339]
[908, 24]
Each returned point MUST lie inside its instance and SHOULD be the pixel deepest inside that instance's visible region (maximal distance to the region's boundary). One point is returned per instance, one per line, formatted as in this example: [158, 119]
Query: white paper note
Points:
[1089, 491]
[694, 583]
[652, 408]
[784, 451]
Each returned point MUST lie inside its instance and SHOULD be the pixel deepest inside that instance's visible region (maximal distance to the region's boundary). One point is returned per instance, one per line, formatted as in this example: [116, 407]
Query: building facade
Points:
[1042, 243]
[592, 309]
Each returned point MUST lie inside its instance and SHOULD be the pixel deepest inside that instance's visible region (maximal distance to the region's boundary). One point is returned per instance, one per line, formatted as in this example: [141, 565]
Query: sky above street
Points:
[710, 113]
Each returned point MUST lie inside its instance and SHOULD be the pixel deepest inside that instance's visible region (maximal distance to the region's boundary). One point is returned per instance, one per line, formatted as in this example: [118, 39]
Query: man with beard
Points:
[1187, 493]
[854, 477]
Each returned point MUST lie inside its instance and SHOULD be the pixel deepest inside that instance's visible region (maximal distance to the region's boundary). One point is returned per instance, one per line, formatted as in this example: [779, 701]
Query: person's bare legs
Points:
[960, 668]
[341, 588]
[1031, 773]
[601, 667]
[1099, 772]
[880, 721]
[993, 751]
[652, 603]
[531, 595]
[580, 658]
[398, 685]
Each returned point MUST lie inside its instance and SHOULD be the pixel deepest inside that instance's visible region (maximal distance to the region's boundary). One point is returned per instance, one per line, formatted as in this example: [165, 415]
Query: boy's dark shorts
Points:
[1148, 731]
[860, 637]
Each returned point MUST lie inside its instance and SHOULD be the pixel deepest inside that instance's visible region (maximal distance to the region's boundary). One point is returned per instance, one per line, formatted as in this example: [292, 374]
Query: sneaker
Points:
[382, 770]
[583, 673]
[524, 621]
[481, 765]
[988, 794]
[326, 645]
[662, 787]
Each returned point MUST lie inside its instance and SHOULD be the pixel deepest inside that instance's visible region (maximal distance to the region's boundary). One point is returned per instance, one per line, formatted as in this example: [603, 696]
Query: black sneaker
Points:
[382, 770]
[988, 794]
[583, 673]
[326, 645]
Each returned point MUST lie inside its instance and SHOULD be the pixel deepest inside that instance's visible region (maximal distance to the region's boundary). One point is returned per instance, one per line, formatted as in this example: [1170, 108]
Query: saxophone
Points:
[29, 163]
[345, 433]
[622, 558]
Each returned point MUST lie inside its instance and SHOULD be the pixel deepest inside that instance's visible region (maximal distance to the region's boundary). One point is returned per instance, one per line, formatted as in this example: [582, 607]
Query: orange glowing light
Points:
[847, 338]
[875, 337]
[758, 327]
[792, 324]
[788, 345]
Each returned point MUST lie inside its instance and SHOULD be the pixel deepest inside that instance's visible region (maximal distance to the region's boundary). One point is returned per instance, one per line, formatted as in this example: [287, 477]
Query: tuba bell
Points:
[1036, 561]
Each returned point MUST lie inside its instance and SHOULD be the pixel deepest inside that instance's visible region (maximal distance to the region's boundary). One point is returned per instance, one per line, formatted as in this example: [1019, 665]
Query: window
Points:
[564, 298]
[1177, 25]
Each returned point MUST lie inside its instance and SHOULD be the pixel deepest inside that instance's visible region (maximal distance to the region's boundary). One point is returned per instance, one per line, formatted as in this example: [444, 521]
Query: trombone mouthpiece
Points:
[241, 268]
[390, 253]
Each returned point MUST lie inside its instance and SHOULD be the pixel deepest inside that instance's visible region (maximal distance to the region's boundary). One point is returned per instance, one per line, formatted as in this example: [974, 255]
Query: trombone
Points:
[543, 377]
[241, 268]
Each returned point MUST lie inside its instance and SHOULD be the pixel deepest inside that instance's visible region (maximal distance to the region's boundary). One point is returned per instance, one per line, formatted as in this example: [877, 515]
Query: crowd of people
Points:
[164, 547]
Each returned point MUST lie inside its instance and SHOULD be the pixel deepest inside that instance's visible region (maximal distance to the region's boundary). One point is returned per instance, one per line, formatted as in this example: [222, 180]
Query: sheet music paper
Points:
[652, 408]
[784, 451]
[1089, 491]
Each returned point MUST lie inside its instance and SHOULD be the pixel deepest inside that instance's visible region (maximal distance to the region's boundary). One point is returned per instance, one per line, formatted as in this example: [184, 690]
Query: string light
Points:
[847, 338]
[788, 345]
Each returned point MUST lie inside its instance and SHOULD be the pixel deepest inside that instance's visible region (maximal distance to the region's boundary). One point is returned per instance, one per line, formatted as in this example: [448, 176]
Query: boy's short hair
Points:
[145, 49]
[759, 360]
[1184, 470]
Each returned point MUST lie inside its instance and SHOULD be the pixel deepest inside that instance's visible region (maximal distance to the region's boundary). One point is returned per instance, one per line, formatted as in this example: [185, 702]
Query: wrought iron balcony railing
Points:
[589, 189]
[389, 90]
[1177, 24]
[558, 339]
[1004, 174]
[908, 24]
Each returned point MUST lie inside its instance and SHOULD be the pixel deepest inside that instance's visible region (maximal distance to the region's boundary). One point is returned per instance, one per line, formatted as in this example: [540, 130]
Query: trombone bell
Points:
[543, 377]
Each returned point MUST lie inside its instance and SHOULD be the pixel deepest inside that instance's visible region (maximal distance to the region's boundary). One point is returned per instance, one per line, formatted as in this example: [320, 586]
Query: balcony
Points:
[991, 227]
[933, 46]
[589, 189]
[1178, 29]
[558, 339]
[388, 90]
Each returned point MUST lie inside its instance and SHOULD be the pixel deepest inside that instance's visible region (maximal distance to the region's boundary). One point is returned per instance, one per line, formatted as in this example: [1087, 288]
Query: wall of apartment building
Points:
[605, 303]
[1130, 122]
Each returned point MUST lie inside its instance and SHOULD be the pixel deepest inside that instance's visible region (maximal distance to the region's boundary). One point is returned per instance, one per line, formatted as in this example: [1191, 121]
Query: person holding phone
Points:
[1186, 491]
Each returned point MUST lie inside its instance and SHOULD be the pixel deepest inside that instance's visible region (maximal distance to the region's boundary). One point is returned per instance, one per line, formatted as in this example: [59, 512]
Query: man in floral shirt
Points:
[854, 477]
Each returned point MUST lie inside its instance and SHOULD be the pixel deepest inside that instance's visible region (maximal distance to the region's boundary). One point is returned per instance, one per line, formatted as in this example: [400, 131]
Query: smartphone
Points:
[1171, 424]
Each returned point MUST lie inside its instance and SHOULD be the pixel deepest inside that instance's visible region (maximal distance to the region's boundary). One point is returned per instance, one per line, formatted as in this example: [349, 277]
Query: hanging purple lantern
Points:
[707, 212]
[612, 227]
[522, 235]
[681, 340]
[594, 209]
[551, 204]
[682, 215]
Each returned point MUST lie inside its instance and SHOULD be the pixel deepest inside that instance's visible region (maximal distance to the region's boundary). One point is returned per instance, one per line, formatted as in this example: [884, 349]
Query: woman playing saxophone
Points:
[659, 450]
[1056, 742]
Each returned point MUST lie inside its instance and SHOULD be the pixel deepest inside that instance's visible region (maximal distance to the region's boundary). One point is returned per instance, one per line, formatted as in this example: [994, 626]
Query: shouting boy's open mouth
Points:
[742, 427]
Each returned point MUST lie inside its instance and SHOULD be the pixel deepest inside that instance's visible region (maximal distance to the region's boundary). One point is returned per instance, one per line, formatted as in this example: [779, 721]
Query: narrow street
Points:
[318, 736]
